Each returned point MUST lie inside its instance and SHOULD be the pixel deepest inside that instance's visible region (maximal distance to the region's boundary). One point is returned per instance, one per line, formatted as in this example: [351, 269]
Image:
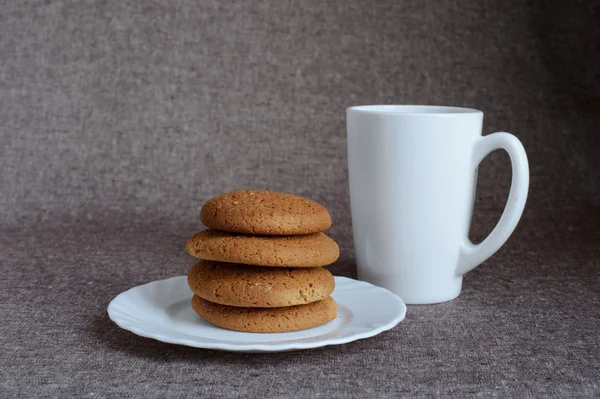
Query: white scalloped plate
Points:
[161, 310]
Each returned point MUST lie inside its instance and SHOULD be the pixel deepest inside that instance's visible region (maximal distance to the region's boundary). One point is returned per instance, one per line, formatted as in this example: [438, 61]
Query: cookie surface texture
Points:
[266, 320]
[264, 212]
[254, 286]
[311, 250]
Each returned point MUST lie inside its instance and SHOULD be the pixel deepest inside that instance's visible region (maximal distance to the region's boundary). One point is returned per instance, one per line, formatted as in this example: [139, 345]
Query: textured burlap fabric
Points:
[118, 119]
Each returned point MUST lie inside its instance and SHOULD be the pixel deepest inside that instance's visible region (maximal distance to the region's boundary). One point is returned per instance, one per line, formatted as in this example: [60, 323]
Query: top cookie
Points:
[264, 212]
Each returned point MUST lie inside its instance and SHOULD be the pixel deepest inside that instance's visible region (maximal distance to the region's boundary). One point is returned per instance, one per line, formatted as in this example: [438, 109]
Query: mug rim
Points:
[402, 110]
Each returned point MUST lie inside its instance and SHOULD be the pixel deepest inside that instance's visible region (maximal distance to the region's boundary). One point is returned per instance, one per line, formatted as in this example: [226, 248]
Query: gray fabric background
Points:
[118, 119]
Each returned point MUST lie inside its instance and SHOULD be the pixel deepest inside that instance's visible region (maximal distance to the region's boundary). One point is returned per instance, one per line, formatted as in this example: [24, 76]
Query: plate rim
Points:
[260, 347]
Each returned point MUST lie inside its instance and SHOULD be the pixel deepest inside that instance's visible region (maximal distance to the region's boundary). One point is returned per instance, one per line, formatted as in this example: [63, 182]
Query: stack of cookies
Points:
[261, 263]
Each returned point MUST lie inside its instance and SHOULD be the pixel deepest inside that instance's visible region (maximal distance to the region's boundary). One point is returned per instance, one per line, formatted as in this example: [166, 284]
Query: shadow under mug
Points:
[412, 172]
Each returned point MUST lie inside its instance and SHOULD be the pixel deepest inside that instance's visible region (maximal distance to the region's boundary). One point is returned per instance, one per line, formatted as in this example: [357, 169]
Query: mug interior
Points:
[413, 109]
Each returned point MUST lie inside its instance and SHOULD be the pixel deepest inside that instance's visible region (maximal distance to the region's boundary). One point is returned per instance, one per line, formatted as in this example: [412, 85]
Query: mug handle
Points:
[472, 255]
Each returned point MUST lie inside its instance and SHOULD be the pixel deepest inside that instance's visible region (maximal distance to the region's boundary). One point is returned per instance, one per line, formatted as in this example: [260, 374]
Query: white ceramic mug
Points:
[413, 173]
